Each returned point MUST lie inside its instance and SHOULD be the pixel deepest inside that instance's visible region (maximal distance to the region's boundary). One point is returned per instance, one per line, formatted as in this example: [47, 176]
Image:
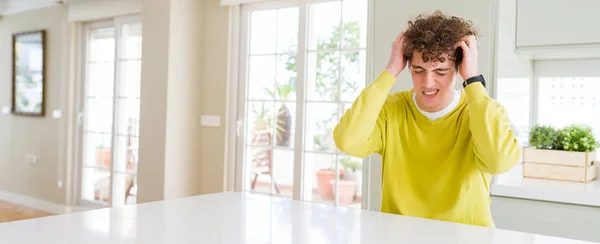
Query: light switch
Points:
[6, 109]
[57, 113]
[210, 120]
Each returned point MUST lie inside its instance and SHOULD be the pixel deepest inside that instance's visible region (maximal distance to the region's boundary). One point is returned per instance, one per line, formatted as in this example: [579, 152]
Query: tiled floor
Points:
[12, 212]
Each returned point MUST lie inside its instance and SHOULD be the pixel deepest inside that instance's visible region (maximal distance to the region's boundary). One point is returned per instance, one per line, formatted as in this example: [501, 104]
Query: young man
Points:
[440, 146]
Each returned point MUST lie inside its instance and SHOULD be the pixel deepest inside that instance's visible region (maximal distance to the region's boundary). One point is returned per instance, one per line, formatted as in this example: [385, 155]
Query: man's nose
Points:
[429, 80]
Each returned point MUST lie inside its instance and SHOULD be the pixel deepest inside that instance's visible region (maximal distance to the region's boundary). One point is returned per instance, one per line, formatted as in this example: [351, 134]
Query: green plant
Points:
[578, 138]
[351, 164]
[543, 137]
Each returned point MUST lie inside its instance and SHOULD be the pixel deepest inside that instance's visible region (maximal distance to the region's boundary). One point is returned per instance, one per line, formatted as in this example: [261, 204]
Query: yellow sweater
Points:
[431, 169]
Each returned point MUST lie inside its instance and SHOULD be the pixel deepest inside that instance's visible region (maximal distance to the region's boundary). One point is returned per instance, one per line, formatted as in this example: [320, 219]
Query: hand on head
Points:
[397, 61]
[468, 46]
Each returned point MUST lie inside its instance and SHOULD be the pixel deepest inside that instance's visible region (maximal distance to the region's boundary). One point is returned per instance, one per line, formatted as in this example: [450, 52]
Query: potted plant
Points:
[348, 184]
[324, 179]
[563, 154]
[103, 155]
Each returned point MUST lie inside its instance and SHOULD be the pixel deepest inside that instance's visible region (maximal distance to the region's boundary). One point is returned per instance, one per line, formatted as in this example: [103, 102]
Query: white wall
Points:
[184, 75]
[183, 172]
[153, 99]
[509, 64]
[101, 9]
[43, 137]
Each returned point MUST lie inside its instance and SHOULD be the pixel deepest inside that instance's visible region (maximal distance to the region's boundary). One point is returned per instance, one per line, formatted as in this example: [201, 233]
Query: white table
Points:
[243, 218]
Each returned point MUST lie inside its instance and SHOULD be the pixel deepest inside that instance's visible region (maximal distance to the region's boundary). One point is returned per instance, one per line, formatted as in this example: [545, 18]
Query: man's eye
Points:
[440, 73]
[418, 71]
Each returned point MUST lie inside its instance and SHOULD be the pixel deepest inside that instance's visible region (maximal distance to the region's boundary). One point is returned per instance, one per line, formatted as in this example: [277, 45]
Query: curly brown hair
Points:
[435, 35]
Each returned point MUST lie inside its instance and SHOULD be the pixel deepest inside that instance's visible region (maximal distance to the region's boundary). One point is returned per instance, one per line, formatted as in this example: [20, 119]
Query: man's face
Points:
[433, 82]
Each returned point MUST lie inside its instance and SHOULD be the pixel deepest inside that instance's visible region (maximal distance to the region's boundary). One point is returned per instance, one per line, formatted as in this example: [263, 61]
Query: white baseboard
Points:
[39, 204]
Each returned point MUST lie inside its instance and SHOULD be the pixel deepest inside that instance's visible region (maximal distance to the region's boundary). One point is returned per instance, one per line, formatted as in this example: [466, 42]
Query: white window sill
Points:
[513, 184]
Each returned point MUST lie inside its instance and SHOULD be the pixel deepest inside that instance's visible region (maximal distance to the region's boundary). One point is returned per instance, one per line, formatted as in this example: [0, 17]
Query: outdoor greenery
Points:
[330, 84]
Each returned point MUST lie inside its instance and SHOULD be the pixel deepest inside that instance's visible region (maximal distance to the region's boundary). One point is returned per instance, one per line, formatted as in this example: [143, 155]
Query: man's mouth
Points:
[431, 93]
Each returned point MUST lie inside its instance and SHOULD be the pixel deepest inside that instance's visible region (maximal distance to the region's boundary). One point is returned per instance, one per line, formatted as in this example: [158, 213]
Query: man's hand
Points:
[468, 68]
[397, 61]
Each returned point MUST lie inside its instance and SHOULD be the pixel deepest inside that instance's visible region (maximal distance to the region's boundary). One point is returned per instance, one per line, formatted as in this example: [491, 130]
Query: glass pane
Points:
[97, 150]
[514, 95]
[129, 78]
[350, 184]
[260, 123]
[261, 84]
[321, 118]
[569, 100]
[283, 172]
[129, 116]
[286, 120]
[259, 163]
[131, 41]
[96, 185]
[101, 45]
[286, 78]
[287, 30]
[98, 114]
[319, 177]
[100, 79]
[263, 32]
[324, 26]
[124, 189]
[127, 154]
[323, 76]
[354, 16]
[353, 74]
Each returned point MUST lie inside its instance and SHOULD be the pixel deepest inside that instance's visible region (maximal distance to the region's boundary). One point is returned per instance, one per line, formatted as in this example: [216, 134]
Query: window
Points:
[302, 66]
[564, 92]
[109, 111]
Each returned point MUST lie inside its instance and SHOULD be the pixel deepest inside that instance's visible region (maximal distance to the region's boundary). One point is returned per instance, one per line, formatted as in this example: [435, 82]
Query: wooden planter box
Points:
[559, 165]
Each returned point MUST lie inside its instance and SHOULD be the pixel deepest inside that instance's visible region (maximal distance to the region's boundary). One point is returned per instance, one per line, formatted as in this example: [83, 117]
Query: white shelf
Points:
[513, 184]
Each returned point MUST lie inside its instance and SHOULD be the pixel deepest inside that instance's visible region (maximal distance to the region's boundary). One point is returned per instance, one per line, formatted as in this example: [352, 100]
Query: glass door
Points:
[109, 118]
[302, 66]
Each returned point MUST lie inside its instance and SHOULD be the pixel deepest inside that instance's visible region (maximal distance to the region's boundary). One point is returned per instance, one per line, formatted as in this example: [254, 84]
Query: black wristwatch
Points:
[473, 79]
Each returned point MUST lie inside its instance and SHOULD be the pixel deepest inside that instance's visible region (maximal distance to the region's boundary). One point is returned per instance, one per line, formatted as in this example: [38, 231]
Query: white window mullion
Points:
[241, 166]
[298, 193]
[116, 105]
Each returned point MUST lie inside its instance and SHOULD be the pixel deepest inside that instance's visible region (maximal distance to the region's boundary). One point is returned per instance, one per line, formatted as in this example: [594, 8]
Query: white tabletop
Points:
[244, 218]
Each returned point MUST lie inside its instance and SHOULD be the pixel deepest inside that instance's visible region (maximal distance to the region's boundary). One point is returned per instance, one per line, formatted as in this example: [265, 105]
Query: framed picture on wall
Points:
[28, 59]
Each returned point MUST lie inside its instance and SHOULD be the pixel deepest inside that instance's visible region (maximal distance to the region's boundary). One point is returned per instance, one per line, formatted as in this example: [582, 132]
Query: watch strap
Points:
[474, 79]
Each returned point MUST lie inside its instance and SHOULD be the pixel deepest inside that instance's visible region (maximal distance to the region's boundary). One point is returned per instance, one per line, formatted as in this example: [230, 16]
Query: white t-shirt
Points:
[441, 113]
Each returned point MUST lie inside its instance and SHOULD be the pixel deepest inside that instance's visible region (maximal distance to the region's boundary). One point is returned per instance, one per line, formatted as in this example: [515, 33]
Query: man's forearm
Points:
[359, 130]
[494, 144]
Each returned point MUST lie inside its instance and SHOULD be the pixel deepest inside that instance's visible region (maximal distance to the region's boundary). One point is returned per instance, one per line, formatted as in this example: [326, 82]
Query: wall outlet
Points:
[57, 113]
[31, 159]
[6, 109]
[210, 120]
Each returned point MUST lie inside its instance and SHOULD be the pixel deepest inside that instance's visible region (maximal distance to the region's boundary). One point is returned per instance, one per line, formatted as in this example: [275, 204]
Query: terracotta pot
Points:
[103, 157]
[346, 191]
[324, 178]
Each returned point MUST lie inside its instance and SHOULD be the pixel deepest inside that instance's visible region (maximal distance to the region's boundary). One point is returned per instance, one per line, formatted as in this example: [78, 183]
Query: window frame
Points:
[239, 46]
[83, 29]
